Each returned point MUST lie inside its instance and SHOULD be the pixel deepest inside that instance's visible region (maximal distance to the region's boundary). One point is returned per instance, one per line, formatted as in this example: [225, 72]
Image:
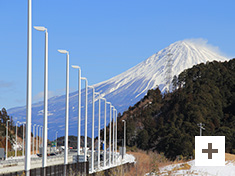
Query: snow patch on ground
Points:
[178, 169]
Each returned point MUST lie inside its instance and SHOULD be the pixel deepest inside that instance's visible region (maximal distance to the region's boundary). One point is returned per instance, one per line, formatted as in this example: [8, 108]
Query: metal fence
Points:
[20, 161]
[80, 168]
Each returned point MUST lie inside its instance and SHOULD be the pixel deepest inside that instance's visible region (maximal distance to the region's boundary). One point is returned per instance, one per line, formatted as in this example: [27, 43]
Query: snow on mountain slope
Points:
[129, 87]
[126, 88]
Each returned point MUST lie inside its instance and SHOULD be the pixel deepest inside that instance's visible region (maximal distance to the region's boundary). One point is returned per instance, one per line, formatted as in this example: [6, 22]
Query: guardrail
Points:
[20, 161]
[53, 170]
[56, 170]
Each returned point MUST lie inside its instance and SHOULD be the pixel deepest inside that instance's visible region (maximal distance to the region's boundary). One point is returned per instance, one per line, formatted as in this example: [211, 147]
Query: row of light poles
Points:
[29, 102]
[39, 131]
[15, 138]
[111, 115]
[23, 123]
[38, 134]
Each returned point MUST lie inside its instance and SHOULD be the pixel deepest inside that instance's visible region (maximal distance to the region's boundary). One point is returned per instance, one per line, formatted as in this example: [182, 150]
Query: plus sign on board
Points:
[209, 150]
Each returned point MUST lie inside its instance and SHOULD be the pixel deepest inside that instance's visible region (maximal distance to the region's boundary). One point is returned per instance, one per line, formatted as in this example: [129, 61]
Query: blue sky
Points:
[104, 37]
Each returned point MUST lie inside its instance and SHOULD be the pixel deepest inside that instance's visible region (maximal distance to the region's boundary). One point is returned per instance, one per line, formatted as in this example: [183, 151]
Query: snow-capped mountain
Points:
[126, 88]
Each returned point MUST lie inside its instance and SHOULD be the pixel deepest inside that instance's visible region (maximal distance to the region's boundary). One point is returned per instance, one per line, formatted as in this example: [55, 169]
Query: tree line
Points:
[4, 117]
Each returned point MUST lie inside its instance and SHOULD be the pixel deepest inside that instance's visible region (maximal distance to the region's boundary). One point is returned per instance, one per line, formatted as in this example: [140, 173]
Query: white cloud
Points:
[39, 96]
[204, 42]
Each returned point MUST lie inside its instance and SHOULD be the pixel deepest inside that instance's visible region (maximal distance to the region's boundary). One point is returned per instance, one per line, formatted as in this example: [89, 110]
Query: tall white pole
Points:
[98, 131]
[44, 157]
[29, 90]
[86, 102]
[99, 137]
[7, 138]
[113, 133]
[93, 126]
[104, 131]
[67, 108]
[86, 98]
[116, 136]
[79, 112]
[16, 139]
[44, 134]
[79, 109]
[110, 136]
[114, 144]
[67, 113]
[105, 116]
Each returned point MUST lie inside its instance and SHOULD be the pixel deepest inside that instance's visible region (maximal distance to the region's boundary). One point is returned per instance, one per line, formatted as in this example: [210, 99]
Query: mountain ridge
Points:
[126, 88]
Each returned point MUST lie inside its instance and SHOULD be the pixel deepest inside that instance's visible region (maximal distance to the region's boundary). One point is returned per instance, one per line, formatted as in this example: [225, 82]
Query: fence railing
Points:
[80, 168]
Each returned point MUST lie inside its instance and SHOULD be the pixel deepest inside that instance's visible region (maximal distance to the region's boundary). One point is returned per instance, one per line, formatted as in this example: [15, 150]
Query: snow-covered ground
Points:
[189, 168]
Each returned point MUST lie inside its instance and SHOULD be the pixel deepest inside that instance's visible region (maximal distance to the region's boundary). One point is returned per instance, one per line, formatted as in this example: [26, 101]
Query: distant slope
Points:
[127, 88]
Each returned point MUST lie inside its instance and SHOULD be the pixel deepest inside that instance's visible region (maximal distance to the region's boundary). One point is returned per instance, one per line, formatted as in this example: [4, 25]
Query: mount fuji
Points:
[125, 89]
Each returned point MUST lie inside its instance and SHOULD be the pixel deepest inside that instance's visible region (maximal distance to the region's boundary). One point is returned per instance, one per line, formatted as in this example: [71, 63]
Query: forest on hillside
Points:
[168, 123]
[4, 117]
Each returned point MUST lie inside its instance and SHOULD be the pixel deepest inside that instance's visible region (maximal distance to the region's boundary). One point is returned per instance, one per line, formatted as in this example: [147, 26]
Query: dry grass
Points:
[151, 162]
[184, 166]
[229, 157]
[143, 164]
[147, 163]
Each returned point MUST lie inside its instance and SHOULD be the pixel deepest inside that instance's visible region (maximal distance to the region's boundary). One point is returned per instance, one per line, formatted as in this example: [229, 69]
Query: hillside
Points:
[168, 123]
